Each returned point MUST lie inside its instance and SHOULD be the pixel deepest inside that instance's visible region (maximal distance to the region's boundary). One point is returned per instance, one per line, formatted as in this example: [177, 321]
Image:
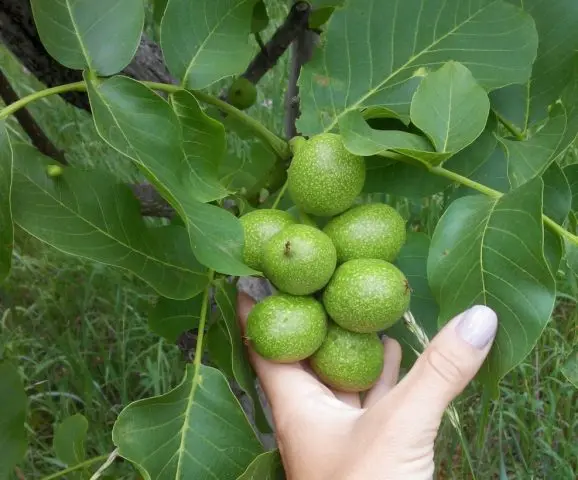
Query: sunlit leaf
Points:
[12, 431]
[6, 227]
[412, 261]
[206, 40]
[450, 107]
[93, 215]
[361, 139]
[490, 251]
[170, 318]
[141, 125]
[198, 430]
[69, 440]
[204, 146]
[556, 21]
[229, 350]
[98, 35]
[265, 467]
[496, 41]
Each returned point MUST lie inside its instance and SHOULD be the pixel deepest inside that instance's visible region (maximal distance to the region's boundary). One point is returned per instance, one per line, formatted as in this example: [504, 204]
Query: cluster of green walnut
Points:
[337, 287]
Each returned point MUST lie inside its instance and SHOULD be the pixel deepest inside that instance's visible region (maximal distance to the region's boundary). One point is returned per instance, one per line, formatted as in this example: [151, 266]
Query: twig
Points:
[301, 52]
[37, 136]
[268, 56]
[109, 461]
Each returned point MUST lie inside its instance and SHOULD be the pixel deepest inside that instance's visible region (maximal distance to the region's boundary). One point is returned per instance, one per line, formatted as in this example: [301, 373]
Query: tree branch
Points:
[301, 53]
[295, 23]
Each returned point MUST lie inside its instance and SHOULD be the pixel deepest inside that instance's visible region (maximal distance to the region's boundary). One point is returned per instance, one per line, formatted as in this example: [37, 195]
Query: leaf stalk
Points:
[78, 466]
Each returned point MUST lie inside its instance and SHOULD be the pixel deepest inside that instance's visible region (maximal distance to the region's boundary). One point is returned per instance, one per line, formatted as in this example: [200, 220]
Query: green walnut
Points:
[299, 260]
[242, 93]
[259, 226]
[374, 230]
[324, 179]
[348, 361]
[367, 295]
[285, 329]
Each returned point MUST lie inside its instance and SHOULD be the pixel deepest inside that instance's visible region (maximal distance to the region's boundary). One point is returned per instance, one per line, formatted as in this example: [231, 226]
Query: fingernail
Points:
[478, 326]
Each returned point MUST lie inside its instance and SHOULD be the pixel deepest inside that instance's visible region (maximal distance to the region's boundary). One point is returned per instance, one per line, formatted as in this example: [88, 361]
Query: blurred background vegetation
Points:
[78, 330]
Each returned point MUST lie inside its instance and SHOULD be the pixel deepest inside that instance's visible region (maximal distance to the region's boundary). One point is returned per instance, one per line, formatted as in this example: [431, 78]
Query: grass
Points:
[78, 331]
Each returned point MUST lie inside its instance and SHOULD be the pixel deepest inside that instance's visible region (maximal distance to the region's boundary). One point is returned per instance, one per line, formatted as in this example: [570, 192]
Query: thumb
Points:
[447, 365]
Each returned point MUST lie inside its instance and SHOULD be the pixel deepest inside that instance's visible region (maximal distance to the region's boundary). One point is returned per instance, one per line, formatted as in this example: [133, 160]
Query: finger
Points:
[444, 369]
[351, 399]
[284, 384]
[389, 374]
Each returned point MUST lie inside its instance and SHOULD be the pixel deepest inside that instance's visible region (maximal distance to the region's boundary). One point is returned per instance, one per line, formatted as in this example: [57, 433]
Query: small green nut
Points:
[242, 93]
[259, 226]
[367, 295]
[286, 329]
[324, 177]
[348, 361]
[54, 170]
[299, 260]
[374, 230]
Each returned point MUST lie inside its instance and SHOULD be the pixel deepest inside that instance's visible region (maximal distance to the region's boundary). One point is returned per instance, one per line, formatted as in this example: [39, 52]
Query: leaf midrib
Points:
[77, 32]
[205, 41]
[380, 86]
[103, 232]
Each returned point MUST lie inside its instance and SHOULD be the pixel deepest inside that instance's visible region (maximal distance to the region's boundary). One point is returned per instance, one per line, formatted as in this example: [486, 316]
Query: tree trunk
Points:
[18, 33]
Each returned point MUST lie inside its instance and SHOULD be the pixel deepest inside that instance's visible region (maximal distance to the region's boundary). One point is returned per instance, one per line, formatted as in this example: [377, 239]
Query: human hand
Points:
[324, 434]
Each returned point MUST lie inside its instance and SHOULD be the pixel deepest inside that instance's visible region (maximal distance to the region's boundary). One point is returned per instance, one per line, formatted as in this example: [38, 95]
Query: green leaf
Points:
[6, 226]
[490, 251]
[260, 18]
[93, 215]
[557, 203]
[403, 179]
[557, 193]
[205, 41]
[450, 107]
[469, 161]
[571, 173]
[360, 139]
[524, 105]
[495, 40]
[570, 368]
[490, 168]
[265, 467]
[12, 431]
[69, 438]
[412, 261]
[98, 35]
[141, 125]
[229, 352]
[247, 166]
[204, 145]
[197, 430]
[530, 158]
[170, 318]
[159, 7]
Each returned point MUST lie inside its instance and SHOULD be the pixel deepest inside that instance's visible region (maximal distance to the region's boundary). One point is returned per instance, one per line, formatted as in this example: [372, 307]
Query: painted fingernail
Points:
[478, 326]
